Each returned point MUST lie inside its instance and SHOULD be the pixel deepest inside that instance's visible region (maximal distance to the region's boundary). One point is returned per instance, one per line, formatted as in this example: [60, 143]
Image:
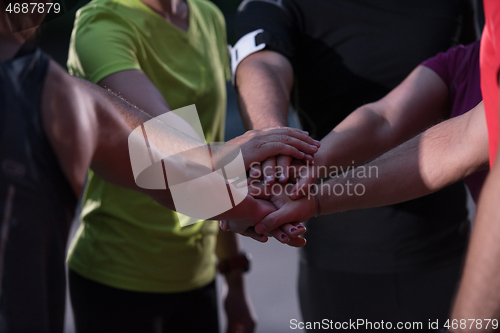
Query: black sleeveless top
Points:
[37, 203]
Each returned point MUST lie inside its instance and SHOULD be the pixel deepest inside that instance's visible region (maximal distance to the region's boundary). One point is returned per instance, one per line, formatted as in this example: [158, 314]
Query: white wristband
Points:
[245, 46]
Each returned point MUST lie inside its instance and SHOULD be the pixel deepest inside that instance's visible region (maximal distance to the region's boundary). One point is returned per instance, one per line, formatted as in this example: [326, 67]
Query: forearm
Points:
[479, 293]
[420, 101]
[362, 136]
[264, 81]
[440, 156]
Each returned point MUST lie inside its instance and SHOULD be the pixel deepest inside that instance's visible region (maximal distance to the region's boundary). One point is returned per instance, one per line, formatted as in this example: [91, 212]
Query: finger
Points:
[250, 232]
[255, 171]
[224, 225]
[302, 228]
[283, 165]
[291, 141]
[308, 159]
[258, 189]
[279, 235]
[297, 242]
[302, 188]
[274, 220]
[290, 230]
[269, 169]
[293, 132]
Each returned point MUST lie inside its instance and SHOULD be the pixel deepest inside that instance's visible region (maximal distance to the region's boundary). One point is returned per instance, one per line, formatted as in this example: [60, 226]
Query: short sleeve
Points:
[450, 64]
[275, 18]
[220, 29]
[102, 43]
[440, 64]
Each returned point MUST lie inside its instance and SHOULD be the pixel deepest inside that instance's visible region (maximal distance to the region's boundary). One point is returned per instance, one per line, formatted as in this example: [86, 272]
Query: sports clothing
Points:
[133, 312]
[459, 70]
[127, 240]
[490, 65]
[37, 203]
[413, 296]
[346, 53]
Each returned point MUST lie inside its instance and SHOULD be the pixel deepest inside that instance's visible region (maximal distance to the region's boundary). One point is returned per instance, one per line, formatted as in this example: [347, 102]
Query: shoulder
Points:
[209, 11]
[102, 13]
[65, 103]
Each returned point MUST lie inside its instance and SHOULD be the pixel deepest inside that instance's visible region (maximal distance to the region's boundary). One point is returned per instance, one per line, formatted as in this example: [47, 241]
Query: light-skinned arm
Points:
[264, 82]
[419, 102]
[479, 292]
[438, 157]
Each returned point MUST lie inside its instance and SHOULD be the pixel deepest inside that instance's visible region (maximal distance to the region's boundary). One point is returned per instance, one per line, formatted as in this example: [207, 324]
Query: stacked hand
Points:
[280, 163]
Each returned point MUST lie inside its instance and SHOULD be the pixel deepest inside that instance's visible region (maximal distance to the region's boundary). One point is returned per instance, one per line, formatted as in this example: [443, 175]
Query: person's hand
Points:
[284, 142]
[288, 233]
[245, 215]
[241, 317]
[253, 211]
[303, 175]
[293, 230]
[271, 168]
[288, 211]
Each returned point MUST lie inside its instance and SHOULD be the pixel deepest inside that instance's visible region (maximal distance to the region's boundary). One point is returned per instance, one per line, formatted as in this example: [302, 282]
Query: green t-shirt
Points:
[126, 239]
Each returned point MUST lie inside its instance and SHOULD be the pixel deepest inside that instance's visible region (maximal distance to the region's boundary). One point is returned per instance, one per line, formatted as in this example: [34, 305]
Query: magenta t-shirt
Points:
[459, 69]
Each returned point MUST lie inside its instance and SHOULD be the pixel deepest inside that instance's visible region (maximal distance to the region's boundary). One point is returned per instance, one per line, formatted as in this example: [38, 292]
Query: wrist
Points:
[316, 192]
[321, 163]
[233, 267]
[235, 279]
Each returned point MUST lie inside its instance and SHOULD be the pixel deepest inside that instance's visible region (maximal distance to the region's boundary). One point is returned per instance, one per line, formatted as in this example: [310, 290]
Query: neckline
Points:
[173, 27]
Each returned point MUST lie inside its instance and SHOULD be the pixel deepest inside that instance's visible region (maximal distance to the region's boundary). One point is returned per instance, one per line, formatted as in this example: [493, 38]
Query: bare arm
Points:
[479, 293]
[430, 161]
[237, 303]
[418, 102]
[440, 156]
[136, 88]
[264, 81]
[84, 127]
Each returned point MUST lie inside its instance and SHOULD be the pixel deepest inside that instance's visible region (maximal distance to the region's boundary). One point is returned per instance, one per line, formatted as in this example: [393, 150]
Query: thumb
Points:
[272, 221]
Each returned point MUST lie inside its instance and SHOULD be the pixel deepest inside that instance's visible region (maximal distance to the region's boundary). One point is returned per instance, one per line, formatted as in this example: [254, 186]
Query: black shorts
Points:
[100, 308]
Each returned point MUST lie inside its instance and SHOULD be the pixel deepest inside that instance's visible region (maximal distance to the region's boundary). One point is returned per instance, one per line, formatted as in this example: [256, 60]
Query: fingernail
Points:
[317, 142]
[314, 147]
[293, 229]
[283, 236]
[269, 179]
[282, 178]
[300, 227]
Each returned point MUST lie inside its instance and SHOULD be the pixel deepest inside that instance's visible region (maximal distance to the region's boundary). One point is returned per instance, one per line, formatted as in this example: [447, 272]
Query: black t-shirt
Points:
[346, 53]
[37, 202]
